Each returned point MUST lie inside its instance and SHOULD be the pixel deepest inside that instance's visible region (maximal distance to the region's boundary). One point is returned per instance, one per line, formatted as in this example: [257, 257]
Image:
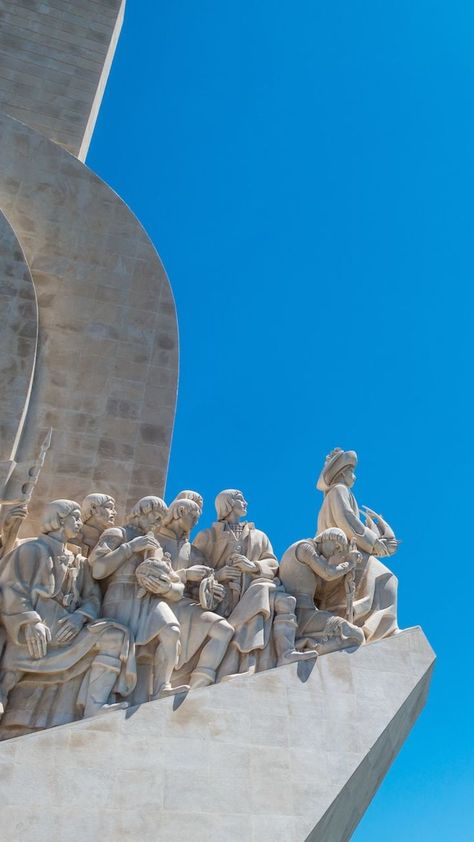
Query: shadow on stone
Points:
[179, 699]
[304, 669]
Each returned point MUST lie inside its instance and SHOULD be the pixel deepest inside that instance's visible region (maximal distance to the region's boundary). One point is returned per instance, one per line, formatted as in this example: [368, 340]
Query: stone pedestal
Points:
[293, 754]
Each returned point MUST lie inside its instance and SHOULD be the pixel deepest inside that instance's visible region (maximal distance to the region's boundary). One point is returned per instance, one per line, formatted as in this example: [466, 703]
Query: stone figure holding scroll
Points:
[50, 609]
[255, 602]
[375, 599]
[307, 564]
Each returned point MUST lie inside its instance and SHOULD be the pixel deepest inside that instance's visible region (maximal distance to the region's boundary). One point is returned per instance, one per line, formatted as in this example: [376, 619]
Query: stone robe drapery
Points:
[144, 615]
[195, 622]
[250, 607]
[375, 602]
[43, 581]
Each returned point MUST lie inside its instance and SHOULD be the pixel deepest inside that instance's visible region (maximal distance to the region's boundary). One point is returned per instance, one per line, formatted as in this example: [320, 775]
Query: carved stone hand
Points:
[37, 637]
[143, 543]
[197, 572]
[244, 564]
[227, 574]
[70, 627]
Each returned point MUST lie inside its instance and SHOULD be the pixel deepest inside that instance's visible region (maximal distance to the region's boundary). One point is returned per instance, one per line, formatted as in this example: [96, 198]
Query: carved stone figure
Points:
[50, 606]
[11, 518]
[329, 558]
[255, 602]
[150, 618]
[375, 598]
[98, 513]
[204, 633]
[191, 495]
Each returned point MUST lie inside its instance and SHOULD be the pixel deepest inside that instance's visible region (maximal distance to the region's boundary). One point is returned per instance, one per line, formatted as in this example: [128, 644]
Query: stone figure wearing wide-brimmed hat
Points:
[375, 601]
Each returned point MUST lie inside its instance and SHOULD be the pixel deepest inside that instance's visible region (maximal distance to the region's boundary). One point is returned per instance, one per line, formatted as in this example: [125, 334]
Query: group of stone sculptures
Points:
[97, 616]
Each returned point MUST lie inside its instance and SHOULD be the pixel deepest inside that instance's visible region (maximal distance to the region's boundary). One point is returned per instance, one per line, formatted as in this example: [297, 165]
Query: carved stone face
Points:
[72, 524]
[240, 506]
[151, 521]
[105, 515]
[188, 521]
[347, 476]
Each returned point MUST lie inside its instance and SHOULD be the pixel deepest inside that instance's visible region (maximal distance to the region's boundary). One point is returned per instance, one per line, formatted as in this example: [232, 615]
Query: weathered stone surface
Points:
[291, 754]
[98, 378]
[18, 340]
[56, 58]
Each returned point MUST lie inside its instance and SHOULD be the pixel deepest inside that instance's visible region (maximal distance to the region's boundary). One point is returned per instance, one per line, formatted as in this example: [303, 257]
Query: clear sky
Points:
[306, 171]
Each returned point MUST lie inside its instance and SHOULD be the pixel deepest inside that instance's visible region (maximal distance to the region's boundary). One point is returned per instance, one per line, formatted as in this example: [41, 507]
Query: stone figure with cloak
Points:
[61, 662]
[255, 602]
[375, 598]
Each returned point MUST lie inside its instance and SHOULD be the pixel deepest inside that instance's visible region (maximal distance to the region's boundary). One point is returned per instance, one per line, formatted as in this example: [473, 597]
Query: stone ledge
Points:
[289, 754]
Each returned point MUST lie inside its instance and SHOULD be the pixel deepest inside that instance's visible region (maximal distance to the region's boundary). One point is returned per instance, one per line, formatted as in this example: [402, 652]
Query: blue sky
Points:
[306, 171]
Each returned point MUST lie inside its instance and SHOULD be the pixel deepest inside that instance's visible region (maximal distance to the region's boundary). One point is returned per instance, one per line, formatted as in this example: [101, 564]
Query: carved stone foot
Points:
[168, 690]
[293, 655]
[108, 708]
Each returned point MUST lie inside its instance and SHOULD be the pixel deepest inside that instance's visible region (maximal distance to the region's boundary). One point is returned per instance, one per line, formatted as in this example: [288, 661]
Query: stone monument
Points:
[179, 685]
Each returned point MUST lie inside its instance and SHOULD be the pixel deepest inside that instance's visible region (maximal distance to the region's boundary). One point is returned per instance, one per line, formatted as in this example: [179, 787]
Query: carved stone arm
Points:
[109, 554]
[306, 554]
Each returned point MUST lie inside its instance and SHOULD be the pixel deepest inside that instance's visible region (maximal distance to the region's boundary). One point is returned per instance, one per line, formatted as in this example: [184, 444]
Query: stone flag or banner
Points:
[155, 686]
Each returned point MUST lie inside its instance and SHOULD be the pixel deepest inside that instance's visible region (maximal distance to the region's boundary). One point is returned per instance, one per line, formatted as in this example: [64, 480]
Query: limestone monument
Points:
[180, 684]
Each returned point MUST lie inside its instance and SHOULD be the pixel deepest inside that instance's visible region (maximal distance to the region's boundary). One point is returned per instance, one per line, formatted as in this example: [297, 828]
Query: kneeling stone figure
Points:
[303, 568]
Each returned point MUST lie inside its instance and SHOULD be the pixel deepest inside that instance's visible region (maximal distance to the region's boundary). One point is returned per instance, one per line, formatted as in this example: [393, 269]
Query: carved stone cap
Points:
[335, 462]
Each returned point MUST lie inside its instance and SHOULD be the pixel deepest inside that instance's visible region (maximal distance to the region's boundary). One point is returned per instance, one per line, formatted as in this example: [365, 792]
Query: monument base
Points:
[295, 753]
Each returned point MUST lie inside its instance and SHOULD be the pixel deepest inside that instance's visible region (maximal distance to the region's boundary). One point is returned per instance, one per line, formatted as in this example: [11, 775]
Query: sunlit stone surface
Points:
[291, 754]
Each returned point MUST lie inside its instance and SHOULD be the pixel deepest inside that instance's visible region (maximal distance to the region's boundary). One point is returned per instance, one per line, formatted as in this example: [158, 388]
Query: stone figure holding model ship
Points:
[375, 595]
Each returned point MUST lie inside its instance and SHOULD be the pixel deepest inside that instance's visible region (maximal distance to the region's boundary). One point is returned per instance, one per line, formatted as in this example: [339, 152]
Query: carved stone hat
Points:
[335, 462]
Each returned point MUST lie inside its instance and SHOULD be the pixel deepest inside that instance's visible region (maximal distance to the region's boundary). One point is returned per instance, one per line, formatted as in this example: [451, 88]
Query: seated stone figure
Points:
[205, 635]
[150, 618]
[98, 513]
[255, 602]
[303, 566]
[375, 600]
[50, 605]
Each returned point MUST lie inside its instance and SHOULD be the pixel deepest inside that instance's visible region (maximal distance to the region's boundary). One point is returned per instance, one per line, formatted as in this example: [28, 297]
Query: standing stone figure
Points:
[98, 513]
[50, 605]
[255, 602]
[304, 565]
[151, 619]
[375, 601]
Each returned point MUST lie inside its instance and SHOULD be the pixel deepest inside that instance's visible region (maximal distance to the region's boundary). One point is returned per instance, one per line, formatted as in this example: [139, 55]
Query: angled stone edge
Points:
[291, 754]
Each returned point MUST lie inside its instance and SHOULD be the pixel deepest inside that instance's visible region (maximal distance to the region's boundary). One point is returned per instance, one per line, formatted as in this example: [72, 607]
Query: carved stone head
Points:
[148, 513]
[63, 518]
[191, 495]
[338, 467]
[99, 509]
[332, 542]
[231, 505]
[182, 516]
